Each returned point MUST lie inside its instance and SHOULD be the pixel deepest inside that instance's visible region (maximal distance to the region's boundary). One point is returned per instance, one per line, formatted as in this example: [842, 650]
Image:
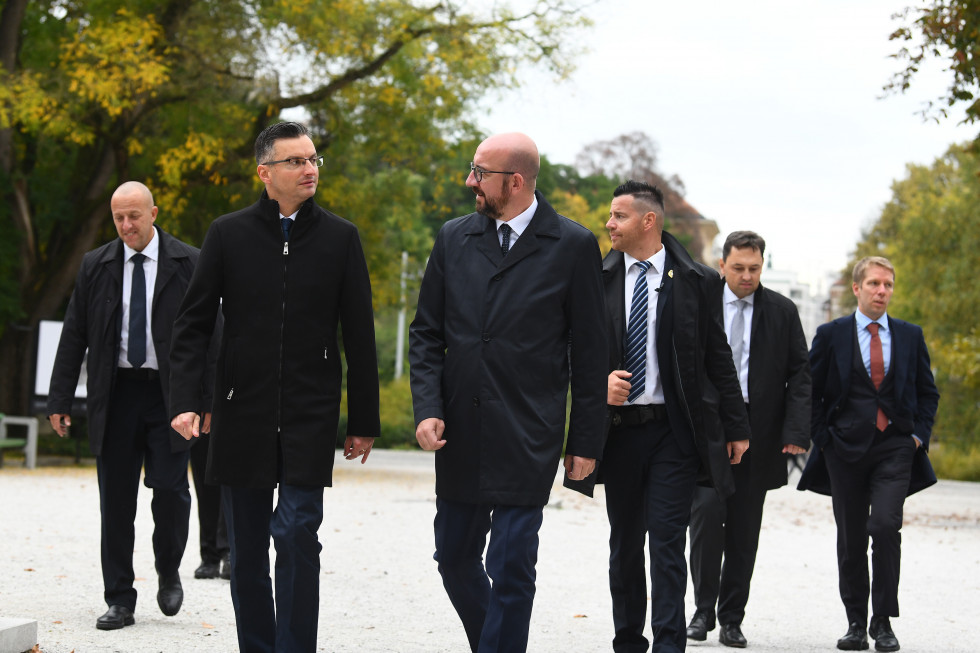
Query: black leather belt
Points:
[141, 374]
[633, 415]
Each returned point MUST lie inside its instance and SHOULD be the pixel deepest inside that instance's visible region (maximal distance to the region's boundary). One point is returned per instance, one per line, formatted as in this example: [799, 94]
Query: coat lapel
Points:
[165, 270]
[112, 262]
[613, 280]
[898, 365]
[844, 339]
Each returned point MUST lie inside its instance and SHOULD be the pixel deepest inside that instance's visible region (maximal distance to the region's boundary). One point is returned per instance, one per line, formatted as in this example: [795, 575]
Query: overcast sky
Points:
[770, 111]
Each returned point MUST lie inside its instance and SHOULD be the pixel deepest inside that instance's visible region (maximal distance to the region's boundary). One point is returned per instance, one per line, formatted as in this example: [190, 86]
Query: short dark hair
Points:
[647, 194]
[266, 141]
[742, 240]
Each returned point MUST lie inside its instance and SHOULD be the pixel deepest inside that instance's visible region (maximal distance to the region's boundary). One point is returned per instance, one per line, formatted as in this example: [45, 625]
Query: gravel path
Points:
[380, 590]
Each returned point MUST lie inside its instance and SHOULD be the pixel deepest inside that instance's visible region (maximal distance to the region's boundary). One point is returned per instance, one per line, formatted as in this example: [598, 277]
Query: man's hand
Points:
[578, 468]
[60, 423]
[793, 450]
[355, 447]
[429, 433]
[618, 388]
[188, 425]
[736, 449]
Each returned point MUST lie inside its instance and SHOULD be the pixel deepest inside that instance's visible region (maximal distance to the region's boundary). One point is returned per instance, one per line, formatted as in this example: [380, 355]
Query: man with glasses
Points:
[510, 308]
[285, 274]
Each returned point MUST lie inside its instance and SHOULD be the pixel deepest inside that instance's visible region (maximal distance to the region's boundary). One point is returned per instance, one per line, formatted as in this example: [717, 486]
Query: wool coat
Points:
[493, 345]
[779, 387]
[278, 378]
[700, 383]
[93, 321]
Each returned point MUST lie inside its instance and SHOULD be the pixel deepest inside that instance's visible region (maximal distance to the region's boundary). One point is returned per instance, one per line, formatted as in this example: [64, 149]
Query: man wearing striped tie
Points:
[671, 375]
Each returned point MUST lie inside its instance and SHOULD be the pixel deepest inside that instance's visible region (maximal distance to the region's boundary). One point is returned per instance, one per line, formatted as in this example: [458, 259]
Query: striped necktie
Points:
[636, 334]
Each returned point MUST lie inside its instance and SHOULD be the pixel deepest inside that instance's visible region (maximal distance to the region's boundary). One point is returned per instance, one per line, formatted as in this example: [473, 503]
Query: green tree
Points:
[929, 231]
[947, 30]
[173, 92]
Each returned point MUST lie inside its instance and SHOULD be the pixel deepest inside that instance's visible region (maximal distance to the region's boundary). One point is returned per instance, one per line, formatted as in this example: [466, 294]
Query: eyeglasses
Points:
[296, 162]
[479, 172]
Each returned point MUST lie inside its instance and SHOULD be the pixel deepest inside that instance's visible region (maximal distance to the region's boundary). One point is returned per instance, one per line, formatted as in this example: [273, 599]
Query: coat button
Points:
[476, 401]
[486, 337]
[497, 277]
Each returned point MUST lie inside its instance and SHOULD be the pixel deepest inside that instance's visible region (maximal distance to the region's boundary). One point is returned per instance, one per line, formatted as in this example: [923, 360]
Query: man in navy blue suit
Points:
[874, 402]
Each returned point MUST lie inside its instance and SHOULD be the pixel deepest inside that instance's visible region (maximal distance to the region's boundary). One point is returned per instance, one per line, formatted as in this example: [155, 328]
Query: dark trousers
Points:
[726, 529]
[138, 434]
[286, 623]
[497, 616]
[649, 488]
[869, 497]
[213, 531]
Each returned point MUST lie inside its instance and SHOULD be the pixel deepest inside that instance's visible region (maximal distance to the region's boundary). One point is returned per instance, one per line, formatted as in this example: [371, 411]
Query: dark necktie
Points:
[136, 352]
[636, 334]
[505, 238]
[287, 224]
[877, 371]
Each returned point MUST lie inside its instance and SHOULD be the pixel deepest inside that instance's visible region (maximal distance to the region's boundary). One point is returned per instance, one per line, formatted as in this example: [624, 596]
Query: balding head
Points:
[509, 166]
[133, 214]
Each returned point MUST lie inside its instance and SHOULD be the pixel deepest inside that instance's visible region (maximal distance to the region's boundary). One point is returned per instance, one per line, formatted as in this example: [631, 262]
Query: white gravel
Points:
[380, 590]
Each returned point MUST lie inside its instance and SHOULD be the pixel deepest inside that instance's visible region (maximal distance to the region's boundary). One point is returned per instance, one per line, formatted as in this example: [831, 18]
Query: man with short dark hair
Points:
[285, 274]
[671, 379]
[122, 311]
[770, 356]
[874, 403]
[509, 311]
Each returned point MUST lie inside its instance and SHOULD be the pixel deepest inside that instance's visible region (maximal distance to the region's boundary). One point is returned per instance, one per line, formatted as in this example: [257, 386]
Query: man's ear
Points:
[263, 173]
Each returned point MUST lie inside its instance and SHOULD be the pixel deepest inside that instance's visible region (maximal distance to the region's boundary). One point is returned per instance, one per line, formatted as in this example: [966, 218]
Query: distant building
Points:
[812, 308]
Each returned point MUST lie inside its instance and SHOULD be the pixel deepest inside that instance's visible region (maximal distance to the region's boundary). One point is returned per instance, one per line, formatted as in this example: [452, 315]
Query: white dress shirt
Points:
[152, 254]
[653, 390]
[517, 224]
[742, 366]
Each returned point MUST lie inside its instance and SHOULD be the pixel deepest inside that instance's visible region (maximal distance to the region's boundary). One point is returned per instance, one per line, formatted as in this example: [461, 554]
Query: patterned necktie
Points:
[636, 334]
[287, 224]
[737, 340]
[136, 351]
[505, 238]
[877, 371]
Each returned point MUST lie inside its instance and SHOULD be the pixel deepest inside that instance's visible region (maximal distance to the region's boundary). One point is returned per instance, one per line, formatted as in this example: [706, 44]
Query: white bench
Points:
[28, 444]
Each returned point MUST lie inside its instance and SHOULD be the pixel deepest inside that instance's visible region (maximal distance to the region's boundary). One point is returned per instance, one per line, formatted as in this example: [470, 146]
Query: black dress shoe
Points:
[701, 623]
[170, 595]
[208, 570]
[226, 567]
[731, 635]
[856, 638]
[118, 616]
[881, 631]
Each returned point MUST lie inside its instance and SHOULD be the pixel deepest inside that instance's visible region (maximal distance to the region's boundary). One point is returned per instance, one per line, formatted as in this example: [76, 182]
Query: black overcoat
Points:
[492, 347]
[278, 380]
[93, 321]
[779, 387]
[701, 387]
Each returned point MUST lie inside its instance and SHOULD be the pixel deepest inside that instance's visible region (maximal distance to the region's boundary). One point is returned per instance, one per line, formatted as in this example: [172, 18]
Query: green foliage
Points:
[946, 29]
[930, 233]
[956, 464]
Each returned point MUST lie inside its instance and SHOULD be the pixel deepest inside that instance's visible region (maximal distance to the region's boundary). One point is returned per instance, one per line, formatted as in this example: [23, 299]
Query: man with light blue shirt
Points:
[874, 403]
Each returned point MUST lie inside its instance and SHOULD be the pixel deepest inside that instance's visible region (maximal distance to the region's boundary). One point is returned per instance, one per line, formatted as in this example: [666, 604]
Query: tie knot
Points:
[740, 304]
[873, 328]
[644, 266]
[138, 259]
[505, 228]
[287, 223]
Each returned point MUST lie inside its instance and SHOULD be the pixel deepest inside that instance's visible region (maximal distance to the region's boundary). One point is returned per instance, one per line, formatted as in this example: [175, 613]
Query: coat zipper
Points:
[282, 331]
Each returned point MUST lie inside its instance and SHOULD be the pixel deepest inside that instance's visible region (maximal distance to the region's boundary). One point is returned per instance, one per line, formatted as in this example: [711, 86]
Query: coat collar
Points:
[544, 224]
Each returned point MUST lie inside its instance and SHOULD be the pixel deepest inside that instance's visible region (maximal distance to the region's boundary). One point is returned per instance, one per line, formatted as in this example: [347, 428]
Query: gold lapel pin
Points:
[670, 273]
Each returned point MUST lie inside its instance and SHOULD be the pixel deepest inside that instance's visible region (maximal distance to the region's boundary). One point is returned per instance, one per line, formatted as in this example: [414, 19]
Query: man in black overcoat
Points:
[874, 403]
[509, 310]
[122, 311]
[770, 353]
[670, 376]
[285, 274]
